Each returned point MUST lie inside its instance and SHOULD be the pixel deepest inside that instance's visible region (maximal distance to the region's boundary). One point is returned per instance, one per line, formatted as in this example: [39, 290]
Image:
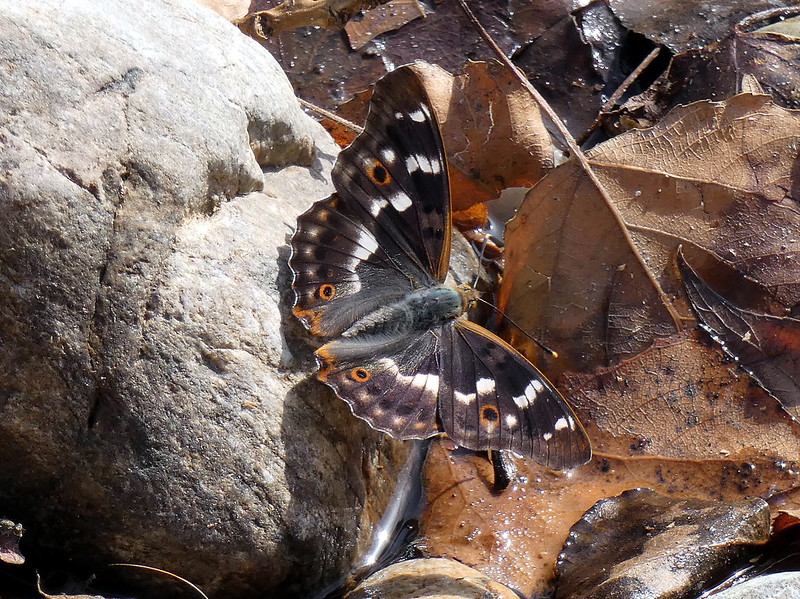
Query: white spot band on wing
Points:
[465, 398]
[376, 206]
[400, 201]
[418, 162]
[528, 397]
[485, 386]
[367, 241]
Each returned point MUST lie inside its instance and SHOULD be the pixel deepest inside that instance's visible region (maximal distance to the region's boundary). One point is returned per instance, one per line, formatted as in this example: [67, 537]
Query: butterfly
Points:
[369, 265]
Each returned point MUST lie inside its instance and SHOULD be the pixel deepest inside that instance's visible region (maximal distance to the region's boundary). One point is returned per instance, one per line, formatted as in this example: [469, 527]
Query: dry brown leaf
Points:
[683, 399]
[492, 130]
[232, 10]
[515, 536]
[717, 177]
[383, 18]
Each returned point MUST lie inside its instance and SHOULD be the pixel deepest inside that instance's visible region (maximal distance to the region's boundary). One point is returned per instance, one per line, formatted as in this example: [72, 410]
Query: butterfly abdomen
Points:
[419, 311]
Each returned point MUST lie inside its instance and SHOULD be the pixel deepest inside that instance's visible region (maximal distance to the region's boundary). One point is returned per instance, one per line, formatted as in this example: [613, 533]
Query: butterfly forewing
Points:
[396, 172]
[387, 229]
[495, 399]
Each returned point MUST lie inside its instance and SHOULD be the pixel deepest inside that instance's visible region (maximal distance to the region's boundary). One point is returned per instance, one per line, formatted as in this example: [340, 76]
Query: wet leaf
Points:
[645, 544]
[683, 25]
[466, 520]
[529, 20]
[325, 71]
[561, 66]
[716, 72]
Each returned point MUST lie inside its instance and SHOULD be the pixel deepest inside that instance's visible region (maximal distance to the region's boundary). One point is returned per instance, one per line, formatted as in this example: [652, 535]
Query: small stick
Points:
[618, 94]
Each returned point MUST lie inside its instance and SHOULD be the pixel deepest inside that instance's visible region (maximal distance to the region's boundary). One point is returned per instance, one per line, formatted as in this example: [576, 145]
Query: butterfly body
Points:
[419, 311]
[369, 266]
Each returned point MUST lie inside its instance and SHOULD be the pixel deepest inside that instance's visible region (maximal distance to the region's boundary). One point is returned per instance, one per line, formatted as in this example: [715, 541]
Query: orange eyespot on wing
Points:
[326, 291]
[360, 375]
[378, 174]
[489, 415]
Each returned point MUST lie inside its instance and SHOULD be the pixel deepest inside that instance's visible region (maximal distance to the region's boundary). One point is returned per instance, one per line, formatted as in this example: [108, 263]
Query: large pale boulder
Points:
[155, 400]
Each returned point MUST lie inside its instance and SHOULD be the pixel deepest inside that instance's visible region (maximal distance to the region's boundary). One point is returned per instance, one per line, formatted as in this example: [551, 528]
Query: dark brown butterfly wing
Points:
[387, 229]
[494, 398]
[367, 263]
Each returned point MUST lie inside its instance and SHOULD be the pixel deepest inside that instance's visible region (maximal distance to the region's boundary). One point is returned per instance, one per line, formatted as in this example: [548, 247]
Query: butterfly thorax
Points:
[419, 310]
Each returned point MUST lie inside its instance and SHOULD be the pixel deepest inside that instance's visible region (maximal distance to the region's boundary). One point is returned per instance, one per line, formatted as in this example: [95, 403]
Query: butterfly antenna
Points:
[480, 263]
[543, 347]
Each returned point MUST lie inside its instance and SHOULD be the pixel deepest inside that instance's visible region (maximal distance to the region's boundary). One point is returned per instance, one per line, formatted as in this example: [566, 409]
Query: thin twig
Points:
[191, 585]
[332, 116]
[618, 94]
[579, 156]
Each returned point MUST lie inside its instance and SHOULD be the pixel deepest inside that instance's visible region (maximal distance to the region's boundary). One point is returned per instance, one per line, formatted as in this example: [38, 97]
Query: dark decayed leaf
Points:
[716, 72]
[683, 25]
[10, 534]
[642, 544]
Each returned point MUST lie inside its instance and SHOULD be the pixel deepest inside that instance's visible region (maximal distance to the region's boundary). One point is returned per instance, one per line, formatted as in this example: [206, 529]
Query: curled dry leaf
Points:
[645, 544]
[718, 177]
[515, 536]
[492, 130]
[767, 347]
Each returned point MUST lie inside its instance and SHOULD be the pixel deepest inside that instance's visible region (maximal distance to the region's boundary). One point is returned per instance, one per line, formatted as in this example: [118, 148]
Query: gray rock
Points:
[155, 403]
[784, 585]
[432, 578]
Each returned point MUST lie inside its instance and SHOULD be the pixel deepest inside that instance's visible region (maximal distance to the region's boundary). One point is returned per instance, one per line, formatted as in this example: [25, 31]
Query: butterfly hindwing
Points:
[494, 398]
[392, 383]
[341, 271]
